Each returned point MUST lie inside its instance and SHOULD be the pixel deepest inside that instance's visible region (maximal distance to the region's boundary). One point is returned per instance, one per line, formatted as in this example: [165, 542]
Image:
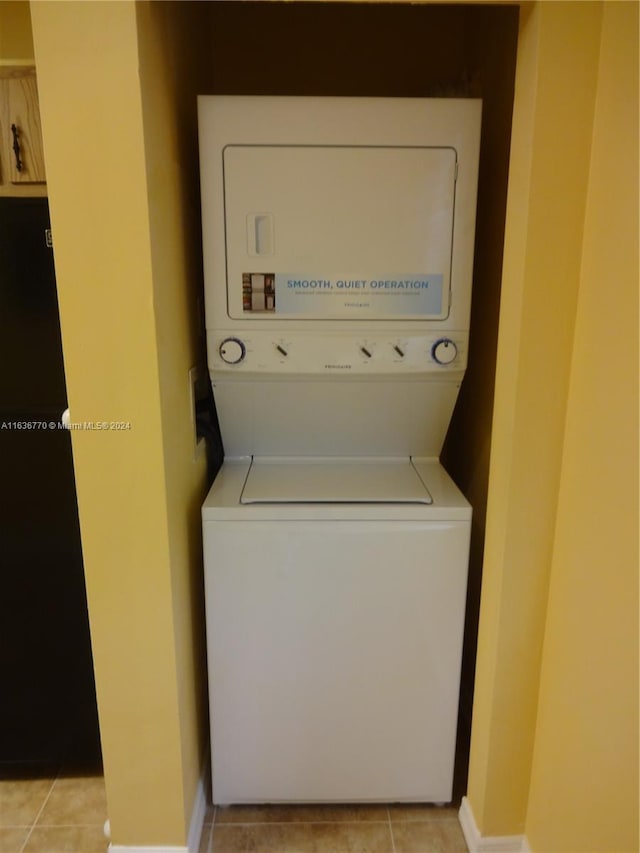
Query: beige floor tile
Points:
[421, 811]
[205, 839]
[442, 836]
[302, 838]
[67, 839]
[12, 838]
[301, 813]
[20, 801]
[75, 801]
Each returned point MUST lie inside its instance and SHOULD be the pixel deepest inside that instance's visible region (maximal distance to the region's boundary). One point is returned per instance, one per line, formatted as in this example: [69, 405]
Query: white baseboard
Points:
[126, 848]
[199, 811]
[195, 827]
[488, 844]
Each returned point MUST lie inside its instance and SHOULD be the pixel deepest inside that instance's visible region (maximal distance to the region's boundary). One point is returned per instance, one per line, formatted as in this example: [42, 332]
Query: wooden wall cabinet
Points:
[21, 149]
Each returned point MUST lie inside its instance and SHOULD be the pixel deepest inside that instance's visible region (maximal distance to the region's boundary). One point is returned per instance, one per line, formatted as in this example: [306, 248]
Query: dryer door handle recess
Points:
[260, 234]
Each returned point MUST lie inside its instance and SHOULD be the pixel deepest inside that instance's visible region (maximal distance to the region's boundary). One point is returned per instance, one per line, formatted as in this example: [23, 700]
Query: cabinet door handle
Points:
[16, 147]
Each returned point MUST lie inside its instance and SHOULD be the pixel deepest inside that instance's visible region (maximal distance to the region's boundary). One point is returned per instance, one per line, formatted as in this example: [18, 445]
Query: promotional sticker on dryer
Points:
[343, 296]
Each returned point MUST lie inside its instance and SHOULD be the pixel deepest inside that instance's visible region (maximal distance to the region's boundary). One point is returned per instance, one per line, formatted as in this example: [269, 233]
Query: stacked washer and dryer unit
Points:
[338, 250]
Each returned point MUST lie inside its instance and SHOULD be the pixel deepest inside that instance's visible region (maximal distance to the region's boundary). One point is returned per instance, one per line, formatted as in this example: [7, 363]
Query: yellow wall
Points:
[123, 277]
[555, 86]
[16, 42]
[584, 787]
[562, 518]
[167, 34]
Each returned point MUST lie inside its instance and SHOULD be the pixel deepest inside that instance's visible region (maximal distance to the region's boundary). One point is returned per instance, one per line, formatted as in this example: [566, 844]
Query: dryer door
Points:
[344, 232]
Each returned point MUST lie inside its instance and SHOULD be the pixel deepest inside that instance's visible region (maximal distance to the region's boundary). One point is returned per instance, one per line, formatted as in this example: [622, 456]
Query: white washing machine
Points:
[338, 251]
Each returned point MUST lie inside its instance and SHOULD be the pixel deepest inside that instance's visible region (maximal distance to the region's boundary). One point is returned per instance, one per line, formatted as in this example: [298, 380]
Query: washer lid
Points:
[276, 480]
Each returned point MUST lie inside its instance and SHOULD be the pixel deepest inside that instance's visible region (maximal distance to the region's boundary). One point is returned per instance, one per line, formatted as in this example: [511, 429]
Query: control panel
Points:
[259, 351]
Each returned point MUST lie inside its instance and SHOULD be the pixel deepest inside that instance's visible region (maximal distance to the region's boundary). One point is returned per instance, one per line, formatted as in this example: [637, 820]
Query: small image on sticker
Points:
[258, 292]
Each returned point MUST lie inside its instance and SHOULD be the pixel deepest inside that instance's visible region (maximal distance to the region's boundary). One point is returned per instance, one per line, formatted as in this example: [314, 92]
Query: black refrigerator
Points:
[48, 713]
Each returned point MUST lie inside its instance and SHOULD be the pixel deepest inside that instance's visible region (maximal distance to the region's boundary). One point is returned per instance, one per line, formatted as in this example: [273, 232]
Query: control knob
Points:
[232, 351]
[444, 351]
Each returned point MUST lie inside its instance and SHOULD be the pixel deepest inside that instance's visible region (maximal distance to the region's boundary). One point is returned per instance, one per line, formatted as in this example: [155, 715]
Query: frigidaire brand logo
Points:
[337, 367]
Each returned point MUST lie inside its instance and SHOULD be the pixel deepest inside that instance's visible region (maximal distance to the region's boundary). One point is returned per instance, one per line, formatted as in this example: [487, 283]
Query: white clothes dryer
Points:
[338, 251]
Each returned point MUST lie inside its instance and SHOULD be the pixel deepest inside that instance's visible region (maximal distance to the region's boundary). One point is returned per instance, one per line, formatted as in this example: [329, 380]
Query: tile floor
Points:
[55, 813]
[332, 829]
[66, 814]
